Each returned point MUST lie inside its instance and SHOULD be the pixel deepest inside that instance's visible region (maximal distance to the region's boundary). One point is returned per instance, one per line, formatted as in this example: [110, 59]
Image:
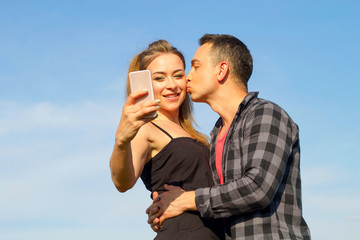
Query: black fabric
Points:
[182, 162]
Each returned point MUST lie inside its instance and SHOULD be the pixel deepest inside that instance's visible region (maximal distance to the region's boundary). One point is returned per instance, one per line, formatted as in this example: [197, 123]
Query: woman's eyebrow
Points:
[161, 72]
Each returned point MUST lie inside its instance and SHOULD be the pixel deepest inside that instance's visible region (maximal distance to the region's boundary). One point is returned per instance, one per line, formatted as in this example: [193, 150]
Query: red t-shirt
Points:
[218, 155]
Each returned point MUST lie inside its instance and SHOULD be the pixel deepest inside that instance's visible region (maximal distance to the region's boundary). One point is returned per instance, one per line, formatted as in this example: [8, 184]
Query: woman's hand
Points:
[132, 117]
[171, 203]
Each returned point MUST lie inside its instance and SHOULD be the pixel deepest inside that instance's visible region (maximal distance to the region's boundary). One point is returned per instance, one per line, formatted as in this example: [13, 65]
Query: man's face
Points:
[201, 80]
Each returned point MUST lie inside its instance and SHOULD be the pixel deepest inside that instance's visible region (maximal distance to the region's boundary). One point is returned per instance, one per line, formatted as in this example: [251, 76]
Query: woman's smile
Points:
[172, 96]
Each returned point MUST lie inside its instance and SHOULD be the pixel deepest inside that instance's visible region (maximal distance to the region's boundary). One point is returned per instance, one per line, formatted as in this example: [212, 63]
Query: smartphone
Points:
[140, 80]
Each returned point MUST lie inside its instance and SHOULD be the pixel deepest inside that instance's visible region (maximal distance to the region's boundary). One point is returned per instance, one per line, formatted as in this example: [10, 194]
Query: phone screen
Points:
[140, 80]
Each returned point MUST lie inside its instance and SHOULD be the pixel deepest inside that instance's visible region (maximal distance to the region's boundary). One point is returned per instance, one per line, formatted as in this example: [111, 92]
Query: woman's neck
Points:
[168, 117]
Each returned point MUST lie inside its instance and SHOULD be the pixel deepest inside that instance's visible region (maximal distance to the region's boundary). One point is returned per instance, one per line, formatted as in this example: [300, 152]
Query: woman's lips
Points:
[172, 96]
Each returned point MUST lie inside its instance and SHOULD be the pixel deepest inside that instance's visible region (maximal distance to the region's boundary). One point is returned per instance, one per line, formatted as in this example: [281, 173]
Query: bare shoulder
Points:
[145, 133]
[156, 139]
[141, 144]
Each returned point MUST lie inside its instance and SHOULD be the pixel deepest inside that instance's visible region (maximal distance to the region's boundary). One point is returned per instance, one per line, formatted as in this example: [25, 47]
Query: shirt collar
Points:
[248, 98]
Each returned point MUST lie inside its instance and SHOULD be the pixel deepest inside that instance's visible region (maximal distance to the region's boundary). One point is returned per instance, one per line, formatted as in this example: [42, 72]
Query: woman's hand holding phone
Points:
[132, 117]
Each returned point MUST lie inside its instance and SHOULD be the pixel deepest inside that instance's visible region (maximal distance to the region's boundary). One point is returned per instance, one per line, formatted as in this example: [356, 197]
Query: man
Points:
[254, 155]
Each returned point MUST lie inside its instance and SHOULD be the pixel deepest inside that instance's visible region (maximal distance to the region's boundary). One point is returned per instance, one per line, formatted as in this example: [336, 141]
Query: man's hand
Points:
[171, 203]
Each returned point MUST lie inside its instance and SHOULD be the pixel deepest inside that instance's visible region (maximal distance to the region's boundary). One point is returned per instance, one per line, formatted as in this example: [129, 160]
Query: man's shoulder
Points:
[252, 101]
[264, 103]
[261, 105]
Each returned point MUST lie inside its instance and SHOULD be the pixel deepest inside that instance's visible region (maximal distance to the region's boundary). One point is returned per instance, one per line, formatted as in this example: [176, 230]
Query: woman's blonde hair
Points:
[142, 61]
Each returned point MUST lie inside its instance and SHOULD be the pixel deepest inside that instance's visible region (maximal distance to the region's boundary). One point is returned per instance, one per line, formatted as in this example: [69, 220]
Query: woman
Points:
[166, 149]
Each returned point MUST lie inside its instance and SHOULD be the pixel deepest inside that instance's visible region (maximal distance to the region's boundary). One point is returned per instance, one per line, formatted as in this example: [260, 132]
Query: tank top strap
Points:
[162, 130]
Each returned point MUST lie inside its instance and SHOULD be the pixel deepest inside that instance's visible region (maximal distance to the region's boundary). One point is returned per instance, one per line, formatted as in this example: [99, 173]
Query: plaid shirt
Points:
[261, 194]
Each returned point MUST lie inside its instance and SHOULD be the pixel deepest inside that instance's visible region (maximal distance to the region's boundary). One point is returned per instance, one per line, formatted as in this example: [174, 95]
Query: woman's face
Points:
[168, 75]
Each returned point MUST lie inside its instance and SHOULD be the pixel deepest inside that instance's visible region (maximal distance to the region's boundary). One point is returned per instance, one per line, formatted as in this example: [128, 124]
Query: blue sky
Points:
[62, 71]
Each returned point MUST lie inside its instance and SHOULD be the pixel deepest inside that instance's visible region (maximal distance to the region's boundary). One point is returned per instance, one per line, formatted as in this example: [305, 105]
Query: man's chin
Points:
[194, 98]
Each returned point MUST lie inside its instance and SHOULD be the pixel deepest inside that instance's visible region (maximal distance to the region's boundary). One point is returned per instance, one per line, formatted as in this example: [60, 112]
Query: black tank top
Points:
[182, 162]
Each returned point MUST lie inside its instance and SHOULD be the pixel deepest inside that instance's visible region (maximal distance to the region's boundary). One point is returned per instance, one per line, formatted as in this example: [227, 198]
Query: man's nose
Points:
[188, 77]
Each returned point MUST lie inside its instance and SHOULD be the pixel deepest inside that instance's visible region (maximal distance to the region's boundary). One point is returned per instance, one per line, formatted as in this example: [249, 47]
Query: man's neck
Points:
[226, 103]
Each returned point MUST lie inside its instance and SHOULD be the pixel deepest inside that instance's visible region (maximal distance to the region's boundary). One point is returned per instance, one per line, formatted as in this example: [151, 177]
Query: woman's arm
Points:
[127, 162]
[131, 147]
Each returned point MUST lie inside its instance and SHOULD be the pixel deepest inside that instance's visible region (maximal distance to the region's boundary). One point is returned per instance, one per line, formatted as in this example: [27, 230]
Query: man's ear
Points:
[223, 70]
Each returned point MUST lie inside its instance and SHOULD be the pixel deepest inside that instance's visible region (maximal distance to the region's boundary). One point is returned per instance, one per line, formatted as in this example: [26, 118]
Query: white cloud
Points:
[353, 218]
[332, 216]
[23, 117]
[320, 175]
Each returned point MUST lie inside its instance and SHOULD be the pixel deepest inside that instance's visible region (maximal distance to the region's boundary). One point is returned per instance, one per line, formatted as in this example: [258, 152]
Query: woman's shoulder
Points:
[146, 132]
[149, 133]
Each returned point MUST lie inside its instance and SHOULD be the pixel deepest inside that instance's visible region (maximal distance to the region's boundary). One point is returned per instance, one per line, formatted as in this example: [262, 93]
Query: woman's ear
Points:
[223, 70]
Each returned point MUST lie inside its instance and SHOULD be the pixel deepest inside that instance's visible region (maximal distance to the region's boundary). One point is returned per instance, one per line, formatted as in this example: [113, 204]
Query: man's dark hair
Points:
[229, 48]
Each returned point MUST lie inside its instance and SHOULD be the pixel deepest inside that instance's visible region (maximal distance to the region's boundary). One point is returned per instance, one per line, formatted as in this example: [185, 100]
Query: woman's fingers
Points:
[136, 95]
[137, 112]
[133, 97]
[135, 115]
